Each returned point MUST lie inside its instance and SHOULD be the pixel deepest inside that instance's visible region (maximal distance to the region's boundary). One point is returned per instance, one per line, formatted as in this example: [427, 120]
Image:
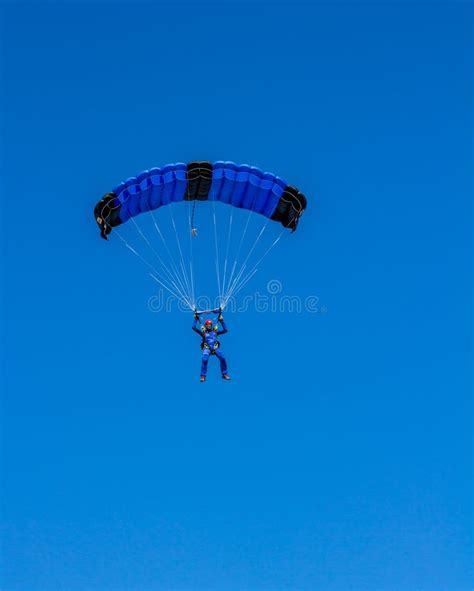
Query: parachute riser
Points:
[214, 311]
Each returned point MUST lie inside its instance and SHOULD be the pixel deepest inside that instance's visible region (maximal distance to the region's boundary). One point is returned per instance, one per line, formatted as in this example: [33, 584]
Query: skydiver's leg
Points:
[222, 360]
[204, 361]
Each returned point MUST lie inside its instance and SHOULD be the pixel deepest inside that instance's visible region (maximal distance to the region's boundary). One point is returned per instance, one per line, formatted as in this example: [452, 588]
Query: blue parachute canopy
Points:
[241, 186]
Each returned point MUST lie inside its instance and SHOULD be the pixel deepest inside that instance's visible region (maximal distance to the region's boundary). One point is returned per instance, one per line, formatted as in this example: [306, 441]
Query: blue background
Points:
[338, 458]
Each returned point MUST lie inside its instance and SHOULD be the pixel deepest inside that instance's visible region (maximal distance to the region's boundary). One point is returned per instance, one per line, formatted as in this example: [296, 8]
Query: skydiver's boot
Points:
[225, 376]
[202, 379]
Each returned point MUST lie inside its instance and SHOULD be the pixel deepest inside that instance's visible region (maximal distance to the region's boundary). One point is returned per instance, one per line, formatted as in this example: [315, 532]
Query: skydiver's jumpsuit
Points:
[210, 345]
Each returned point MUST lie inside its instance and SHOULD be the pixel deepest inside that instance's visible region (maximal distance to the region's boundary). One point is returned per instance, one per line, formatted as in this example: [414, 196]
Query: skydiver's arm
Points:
[224, 327]
[195, 328]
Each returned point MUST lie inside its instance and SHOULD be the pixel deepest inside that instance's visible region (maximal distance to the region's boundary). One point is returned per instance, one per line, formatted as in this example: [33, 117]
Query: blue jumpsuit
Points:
[211, 345]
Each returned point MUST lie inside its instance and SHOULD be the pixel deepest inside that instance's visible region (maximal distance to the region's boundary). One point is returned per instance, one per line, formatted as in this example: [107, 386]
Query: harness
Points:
[204, 345]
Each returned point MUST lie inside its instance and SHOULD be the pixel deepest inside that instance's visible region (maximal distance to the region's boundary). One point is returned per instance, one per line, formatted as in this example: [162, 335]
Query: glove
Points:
[196, 315]
[220, 318]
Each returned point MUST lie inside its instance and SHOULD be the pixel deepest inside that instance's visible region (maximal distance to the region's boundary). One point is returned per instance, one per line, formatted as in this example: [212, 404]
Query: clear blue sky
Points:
[339, 456]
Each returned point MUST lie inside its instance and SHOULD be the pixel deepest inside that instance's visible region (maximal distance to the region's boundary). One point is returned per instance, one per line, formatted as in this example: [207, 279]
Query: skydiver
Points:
[209, 344]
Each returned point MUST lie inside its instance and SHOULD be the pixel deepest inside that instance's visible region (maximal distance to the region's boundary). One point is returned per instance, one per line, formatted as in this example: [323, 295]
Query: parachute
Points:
[242, 186]
[239, 186]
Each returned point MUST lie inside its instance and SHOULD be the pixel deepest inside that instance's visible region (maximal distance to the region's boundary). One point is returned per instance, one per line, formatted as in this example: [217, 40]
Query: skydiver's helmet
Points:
[208, 324]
